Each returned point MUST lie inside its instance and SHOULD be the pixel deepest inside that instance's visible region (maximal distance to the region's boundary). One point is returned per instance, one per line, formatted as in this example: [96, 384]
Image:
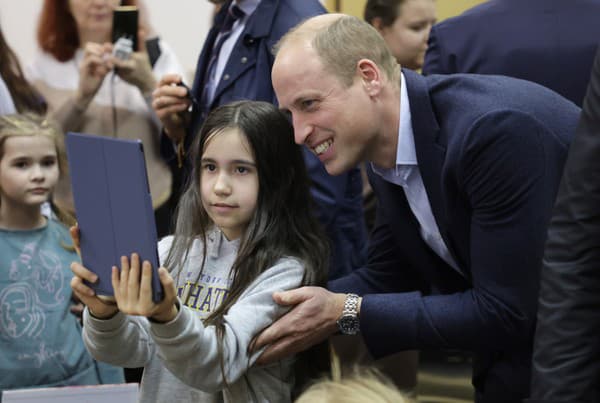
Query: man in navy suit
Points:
[465, 169]
[242, 70]
[550, 42]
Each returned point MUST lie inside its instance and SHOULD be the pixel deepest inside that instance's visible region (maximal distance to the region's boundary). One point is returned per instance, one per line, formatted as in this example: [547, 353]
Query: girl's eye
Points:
[209, 167]
[49, 162]
[21, 164]
[241, 170]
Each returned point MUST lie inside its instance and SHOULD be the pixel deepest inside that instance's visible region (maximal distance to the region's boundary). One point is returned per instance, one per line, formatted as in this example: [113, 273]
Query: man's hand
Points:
[311, 320]
[170, 102]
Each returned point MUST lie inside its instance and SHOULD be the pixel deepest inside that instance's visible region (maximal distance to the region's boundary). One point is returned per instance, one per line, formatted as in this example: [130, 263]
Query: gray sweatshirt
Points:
[181, 358]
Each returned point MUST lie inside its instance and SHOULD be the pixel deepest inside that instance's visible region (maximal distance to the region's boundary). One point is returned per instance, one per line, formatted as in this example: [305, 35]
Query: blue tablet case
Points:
[113, 205]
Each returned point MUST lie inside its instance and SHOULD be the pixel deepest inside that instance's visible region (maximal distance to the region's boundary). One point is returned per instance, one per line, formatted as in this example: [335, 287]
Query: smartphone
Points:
[125, 24]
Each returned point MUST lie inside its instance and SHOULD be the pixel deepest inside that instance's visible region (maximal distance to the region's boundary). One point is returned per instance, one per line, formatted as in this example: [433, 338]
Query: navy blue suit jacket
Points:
[247, 75]
[490, 151]
[550, 42]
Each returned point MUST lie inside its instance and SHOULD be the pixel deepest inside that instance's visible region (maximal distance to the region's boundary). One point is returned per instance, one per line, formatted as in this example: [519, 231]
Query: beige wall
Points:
[445, 8]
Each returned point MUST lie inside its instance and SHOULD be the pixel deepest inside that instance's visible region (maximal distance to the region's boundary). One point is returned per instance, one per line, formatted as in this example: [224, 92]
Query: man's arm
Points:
[565, 361]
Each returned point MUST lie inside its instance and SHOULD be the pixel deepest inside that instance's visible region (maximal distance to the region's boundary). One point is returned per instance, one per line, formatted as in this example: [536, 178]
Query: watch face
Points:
[348, 324]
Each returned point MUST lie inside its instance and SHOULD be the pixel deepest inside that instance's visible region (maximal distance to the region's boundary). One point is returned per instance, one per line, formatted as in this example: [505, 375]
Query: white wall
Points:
[182, 23]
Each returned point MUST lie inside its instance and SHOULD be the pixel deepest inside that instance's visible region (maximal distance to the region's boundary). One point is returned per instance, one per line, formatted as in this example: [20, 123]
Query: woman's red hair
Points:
[57, 30]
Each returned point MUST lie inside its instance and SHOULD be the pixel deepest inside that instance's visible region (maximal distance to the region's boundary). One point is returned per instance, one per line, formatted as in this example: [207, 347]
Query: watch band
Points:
[351, 305]
[348, 322]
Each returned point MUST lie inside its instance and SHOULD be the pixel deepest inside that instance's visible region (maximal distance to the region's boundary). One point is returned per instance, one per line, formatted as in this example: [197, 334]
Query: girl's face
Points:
[28, 171]
[93, 18]
[407, 36]
[229, 182]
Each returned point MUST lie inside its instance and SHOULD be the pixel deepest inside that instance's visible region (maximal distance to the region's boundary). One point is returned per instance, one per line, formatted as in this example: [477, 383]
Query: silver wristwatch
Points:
[348, 323]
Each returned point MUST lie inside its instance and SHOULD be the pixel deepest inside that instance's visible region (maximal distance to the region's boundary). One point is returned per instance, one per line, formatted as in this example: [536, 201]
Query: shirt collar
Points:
[406, 156]
[247, 6]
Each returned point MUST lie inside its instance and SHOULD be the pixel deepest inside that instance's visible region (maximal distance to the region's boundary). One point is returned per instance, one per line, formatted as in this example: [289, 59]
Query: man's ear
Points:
[370, 75]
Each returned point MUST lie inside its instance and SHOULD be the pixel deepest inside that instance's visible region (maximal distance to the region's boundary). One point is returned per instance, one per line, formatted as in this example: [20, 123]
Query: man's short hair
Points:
[342, 43]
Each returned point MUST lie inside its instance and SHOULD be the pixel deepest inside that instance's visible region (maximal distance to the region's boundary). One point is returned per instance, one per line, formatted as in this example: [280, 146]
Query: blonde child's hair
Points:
[31, 124]
[363, 384]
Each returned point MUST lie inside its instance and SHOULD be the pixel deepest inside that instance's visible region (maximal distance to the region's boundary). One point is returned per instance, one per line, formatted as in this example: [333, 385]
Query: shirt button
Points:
[226, 77]
[244, 60]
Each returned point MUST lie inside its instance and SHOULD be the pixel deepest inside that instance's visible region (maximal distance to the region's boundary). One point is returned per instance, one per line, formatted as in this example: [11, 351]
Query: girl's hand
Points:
[134, 295]
[96, 64]
[100, 308]
[74, 231]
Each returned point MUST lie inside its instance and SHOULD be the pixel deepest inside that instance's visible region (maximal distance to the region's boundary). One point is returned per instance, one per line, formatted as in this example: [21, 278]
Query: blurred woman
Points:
[405, 26]
[89, 90]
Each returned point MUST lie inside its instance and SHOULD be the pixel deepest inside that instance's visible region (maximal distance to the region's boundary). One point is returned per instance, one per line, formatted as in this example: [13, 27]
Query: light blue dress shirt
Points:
[406, 173]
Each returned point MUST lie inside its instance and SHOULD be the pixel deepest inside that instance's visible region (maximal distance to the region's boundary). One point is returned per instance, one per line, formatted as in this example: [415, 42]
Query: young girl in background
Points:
[244, 230]
[40, 339]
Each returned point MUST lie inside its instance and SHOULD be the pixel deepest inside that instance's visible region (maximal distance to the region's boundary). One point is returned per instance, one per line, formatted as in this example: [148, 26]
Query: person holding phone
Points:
[89, 90]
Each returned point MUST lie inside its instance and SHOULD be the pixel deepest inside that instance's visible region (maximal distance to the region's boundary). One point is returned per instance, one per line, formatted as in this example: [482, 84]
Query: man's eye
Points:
[306, 104]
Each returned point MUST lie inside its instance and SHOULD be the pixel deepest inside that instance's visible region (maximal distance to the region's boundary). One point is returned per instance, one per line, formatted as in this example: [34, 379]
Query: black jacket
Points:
[566, 362]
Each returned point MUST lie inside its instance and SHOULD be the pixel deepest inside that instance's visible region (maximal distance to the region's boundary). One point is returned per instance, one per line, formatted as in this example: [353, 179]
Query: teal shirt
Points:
[40, 340]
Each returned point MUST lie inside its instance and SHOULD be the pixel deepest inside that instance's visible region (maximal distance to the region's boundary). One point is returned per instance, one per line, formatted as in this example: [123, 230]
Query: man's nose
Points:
[302, 130]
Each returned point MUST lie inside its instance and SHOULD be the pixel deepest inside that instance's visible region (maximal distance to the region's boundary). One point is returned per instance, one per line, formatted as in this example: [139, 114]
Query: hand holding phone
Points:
[125, 31]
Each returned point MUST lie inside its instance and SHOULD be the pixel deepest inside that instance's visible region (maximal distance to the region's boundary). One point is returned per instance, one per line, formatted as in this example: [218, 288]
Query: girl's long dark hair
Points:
[283, 224]
[25, 97]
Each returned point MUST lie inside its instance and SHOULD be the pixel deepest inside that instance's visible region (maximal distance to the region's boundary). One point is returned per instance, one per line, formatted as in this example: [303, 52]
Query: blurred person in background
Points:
[405, 26]
[549, 42]
[89, 90]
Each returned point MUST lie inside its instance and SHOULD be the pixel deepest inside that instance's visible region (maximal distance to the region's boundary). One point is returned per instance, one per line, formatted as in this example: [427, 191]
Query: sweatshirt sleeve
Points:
[121, 340]
[192, 351]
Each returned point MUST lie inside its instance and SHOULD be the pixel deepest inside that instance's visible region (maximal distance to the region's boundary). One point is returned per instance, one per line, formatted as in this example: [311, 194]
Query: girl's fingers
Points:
[167, 283]
[133, 280]
[80, 271]
[116, 282]
[81, 289]
[124, 277]
[146, 282]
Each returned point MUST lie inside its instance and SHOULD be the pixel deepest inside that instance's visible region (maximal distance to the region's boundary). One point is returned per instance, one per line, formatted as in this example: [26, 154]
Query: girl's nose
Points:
[222, 184]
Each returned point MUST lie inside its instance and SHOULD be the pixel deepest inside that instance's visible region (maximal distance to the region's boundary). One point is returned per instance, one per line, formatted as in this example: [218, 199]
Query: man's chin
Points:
[335, 169]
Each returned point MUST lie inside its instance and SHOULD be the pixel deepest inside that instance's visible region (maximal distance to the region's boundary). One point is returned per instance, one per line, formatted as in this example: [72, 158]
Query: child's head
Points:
[262, 135]
[31, 158]
[249, 179]
[363, 385]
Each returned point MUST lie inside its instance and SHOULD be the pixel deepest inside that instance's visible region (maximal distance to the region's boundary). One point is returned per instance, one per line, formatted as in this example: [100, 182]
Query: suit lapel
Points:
[430, 146]
[243, 55]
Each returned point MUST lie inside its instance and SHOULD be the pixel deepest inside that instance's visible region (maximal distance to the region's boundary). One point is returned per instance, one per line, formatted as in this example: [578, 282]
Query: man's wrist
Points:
[348, 321]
